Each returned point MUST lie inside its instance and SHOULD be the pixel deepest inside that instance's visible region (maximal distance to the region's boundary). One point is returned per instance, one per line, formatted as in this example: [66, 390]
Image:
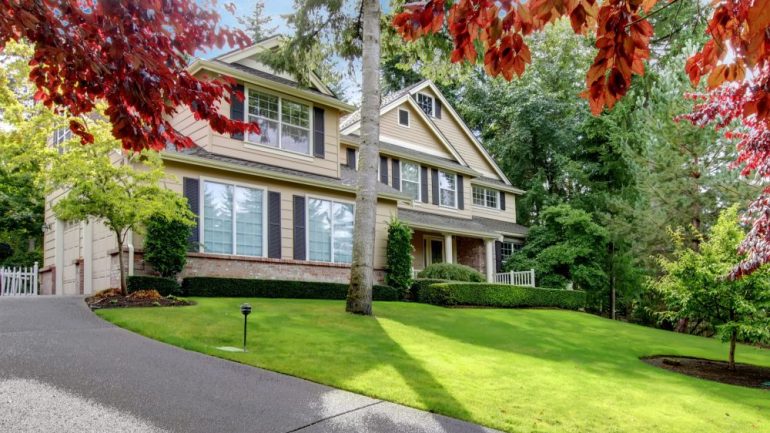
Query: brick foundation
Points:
[471, 252]
[218, 265]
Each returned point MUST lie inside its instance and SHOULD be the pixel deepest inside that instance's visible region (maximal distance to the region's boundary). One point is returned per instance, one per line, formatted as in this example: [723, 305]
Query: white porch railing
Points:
[18, 281]
[521, 278]
[415, 272]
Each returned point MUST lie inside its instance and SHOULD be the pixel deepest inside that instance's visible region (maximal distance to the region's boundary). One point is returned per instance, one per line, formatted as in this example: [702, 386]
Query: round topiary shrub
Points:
[452, 272]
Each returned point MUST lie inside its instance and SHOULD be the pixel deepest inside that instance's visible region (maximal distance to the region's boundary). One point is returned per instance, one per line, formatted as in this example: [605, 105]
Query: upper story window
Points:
[447, 185]
[426, 103]
[486, 197]
[410, 179]
[233, 219]
[285, 124]
[60, 136]
[403, 117]
[330, 231]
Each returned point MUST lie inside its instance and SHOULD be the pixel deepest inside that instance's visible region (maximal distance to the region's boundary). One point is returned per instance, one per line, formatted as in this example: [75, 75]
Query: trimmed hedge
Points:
[253, 288]
[420, 284]
[452, 272]
[164, 286]
[500, 295]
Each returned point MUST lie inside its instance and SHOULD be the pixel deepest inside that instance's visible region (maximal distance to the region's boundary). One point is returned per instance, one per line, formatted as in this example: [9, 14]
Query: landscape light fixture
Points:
[245, 310]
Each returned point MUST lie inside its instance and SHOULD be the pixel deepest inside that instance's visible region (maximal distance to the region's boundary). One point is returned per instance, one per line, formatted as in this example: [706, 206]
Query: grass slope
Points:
[515, 370]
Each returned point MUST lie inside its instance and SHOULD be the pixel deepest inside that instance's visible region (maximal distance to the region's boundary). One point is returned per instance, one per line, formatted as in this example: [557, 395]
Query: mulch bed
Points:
[751, 376]
[112, 298]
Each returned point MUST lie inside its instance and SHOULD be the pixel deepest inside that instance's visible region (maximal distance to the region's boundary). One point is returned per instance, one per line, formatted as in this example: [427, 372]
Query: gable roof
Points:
[352, 122]
[390, 101]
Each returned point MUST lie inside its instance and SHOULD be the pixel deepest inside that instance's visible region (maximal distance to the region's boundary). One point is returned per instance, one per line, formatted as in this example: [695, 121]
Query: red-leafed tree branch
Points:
[735, 61]
[131, 55]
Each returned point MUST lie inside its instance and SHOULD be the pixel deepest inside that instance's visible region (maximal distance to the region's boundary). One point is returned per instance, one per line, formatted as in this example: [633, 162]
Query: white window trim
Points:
[408, 118]
[484, 206]
[247, 115]
[307, 224]
[439, 189]
[202, 218]
[433, 103]
[419, 178]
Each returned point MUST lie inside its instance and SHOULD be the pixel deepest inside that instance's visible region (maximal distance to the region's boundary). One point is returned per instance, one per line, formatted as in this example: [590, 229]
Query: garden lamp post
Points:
[245, 310]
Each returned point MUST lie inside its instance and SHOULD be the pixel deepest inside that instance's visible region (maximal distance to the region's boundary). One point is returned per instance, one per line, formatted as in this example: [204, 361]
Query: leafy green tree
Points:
[399, 255]
[696, 287]
[166, 244]
[258, 25]
[568, 246]
[122, 190]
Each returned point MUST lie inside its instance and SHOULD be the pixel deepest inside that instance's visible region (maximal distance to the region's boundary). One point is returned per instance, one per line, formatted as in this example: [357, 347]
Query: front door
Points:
[434, 251]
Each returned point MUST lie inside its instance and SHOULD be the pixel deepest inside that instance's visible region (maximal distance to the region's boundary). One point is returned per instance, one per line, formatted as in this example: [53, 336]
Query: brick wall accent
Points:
[47, 280]
[220, 265]
[471, 252]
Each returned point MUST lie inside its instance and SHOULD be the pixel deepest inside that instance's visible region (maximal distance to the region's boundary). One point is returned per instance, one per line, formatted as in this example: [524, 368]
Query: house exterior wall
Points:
[418, 135]
[471, 252]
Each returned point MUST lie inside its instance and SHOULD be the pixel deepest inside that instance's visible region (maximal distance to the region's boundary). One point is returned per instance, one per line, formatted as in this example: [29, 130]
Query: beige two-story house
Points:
[280, 205]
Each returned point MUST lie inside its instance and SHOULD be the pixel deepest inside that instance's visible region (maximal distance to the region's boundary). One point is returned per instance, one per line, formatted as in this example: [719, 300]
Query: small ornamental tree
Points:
[166, 243]
[399, 255]
[695, 286]
[120, 189]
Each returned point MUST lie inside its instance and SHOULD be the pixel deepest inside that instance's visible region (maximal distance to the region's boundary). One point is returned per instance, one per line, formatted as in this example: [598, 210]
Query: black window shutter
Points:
[274, 224]
[438, 109]
[460, 193]
[396, 174]
[351, 158]
[236, 108]
[299, 227]
[318, 132]
[384, 169]
[502, 200]
[424, 185]
[191, 191]
[434, 180]
[499, 256]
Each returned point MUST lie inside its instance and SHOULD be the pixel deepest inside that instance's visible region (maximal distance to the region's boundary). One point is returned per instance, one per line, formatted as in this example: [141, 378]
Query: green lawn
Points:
[515, 370]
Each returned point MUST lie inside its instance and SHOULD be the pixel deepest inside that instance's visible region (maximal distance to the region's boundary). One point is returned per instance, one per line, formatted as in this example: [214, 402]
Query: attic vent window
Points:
[427, 104]
[403, 118]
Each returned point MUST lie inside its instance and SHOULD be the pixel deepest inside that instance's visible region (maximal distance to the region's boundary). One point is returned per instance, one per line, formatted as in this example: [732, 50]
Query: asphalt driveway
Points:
[64, 369]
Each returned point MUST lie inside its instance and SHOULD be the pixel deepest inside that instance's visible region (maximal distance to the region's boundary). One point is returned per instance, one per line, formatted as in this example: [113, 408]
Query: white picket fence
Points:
[521, 278]
[19, 281]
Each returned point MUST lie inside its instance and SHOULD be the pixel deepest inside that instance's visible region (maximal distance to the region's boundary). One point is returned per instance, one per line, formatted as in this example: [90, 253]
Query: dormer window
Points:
[284, 124]
[403, 117]
[427, 104]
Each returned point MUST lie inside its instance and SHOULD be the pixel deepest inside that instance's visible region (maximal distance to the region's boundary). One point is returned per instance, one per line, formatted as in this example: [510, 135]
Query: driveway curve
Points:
[64, 369]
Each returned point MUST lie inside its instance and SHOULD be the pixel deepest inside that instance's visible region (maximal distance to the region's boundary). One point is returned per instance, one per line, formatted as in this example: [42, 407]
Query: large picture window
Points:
[233, 219]
[485, 197]
[447, 183]
[285, 124]
[330, 231]
[410, 179]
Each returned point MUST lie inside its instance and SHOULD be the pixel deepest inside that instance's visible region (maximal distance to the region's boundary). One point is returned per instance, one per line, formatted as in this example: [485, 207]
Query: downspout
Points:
[130, 245]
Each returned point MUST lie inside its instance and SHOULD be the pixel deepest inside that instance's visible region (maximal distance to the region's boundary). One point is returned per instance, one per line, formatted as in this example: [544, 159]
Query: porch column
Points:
[448, 248]
[490, 259]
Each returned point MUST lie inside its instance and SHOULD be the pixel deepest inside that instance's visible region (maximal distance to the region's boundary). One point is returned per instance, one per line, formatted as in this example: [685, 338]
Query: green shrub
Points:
[166, 245]
[419, 284]
[399, 255]
[500, 295]
[452, 272]
[164, 286]
[253, 288]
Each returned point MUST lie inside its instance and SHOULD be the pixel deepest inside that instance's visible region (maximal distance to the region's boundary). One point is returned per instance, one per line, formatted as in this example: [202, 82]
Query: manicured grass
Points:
[515, 370]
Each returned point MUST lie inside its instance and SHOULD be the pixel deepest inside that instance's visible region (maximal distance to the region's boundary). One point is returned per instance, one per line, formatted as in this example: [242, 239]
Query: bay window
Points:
[330, 231]
[447, 183]
[485, 197]
[233, 219]
[284, 124]
[410, 179]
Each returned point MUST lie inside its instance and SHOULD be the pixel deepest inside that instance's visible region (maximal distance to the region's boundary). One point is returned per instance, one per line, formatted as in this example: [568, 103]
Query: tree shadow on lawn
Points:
[596, 349]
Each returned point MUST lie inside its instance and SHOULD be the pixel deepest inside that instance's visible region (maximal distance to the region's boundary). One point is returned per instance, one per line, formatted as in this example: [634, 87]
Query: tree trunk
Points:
[362, 270]
[733, 339]
[122, 272]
